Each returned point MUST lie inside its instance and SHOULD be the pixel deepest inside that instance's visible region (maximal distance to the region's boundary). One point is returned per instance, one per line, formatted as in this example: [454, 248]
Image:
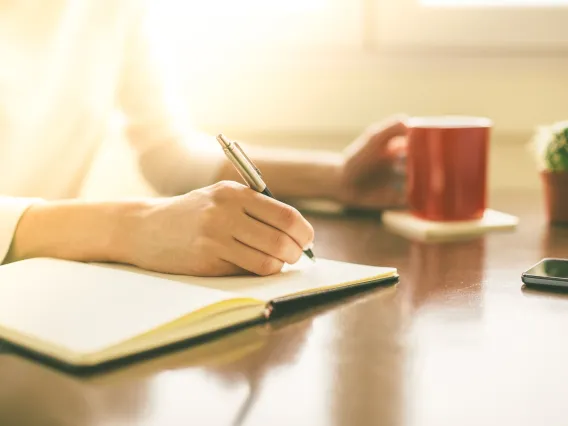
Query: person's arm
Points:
[72, 230]
[173, 157]
[11, 211]
[224, 229]
[293, 173]
[369, 173]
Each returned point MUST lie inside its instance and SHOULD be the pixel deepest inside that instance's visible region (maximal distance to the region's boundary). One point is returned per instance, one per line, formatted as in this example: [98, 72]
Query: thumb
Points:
[374, 140]
[386, 130]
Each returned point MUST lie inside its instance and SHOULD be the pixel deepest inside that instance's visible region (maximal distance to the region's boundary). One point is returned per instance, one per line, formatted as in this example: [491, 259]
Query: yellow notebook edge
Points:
[179, 336]
[64, 354]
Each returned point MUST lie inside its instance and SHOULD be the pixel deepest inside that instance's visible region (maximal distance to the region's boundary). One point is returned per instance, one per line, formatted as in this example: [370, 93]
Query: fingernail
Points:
[309, 246]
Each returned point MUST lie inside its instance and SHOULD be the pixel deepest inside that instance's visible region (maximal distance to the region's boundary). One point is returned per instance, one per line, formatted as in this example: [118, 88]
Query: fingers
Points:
[378, 134]
[280, 216]
[380, 138]
[380, 190]
[374, 149]
[222, 268]
[391, 193]
[250, 231]
[267, 239]
[252, 260]
[390, 128]
[384, 198]
[397, 145]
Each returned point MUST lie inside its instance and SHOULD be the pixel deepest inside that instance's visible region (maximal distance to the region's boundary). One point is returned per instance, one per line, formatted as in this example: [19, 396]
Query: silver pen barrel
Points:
[244, 166]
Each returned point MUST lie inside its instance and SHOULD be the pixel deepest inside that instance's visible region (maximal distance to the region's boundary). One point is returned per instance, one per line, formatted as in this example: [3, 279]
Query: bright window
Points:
[241, 59]
[248, 25]
[517, 25]
[496, 3]
[271, 27]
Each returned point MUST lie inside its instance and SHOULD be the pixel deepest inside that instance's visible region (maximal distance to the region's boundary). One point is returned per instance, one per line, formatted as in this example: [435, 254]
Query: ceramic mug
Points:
[447, 167]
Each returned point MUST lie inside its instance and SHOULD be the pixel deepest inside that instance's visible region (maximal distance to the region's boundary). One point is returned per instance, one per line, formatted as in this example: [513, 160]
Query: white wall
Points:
[345, 94]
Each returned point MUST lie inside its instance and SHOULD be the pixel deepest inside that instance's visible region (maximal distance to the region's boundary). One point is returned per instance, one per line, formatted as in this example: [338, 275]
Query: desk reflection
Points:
[440, 273]
[179, 388]
[368, 362]
[32, 394]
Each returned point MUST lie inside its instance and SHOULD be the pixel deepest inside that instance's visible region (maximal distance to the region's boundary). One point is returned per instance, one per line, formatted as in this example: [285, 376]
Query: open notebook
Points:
[85, 314]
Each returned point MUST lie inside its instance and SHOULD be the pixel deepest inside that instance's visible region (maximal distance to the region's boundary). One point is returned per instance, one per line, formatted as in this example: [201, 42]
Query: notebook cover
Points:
[283, 305]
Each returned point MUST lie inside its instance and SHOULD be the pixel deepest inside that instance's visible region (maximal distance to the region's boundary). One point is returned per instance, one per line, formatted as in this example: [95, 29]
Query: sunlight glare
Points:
[495, 3]
[202, 26]
[232, 8]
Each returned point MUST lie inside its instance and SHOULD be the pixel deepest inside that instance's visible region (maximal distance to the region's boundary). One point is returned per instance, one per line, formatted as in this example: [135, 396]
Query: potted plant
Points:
[551, 148]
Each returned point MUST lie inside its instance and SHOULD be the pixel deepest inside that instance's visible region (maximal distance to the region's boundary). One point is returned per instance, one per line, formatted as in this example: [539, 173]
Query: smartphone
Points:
[547, 272]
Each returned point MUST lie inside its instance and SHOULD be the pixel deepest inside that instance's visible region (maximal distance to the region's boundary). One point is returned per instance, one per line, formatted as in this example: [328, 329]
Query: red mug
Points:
[447, 167]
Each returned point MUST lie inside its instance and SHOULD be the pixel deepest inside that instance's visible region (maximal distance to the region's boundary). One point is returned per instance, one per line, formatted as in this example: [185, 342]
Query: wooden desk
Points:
[457, 343]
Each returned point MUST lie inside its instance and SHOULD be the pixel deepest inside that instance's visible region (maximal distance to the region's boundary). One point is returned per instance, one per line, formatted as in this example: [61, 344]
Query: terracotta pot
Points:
[556, 196]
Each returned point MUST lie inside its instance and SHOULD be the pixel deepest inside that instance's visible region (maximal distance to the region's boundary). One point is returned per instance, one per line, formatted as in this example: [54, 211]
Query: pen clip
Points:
[247, 158]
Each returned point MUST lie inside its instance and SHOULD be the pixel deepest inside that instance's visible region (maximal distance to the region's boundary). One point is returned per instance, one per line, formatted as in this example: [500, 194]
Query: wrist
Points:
[23, 245]
[331, 183]
[75, 230]
[323, 177]
[122, 221]
[130, 226]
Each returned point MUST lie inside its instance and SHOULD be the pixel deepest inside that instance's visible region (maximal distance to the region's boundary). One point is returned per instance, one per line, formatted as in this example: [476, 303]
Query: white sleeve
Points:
[172, 157]
[11, 210]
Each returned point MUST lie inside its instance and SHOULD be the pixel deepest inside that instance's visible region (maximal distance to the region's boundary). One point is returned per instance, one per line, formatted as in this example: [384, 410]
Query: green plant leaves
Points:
[556, 155]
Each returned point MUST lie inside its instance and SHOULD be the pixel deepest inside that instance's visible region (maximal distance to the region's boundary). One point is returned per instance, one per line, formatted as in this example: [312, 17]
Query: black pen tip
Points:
[310, 254]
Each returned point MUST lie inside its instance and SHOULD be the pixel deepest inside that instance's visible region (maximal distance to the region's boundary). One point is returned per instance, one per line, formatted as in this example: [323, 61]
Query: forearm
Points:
[75, 230]
[293, 173]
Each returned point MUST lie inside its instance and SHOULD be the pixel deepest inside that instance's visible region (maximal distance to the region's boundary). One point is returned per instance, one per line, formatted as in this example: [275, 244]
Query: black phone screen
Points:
[550, 268]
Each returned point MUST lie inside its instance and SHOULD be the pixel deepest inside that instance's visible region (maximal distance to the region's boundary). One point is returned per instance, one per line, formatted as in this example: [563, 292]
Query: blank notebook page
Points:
[85, 308]
[300, 277]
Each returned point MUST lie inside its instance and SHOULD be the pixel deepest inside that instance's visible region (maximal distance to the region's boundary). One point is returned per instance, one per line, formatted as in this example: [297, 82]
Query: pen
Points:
[249, 172]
